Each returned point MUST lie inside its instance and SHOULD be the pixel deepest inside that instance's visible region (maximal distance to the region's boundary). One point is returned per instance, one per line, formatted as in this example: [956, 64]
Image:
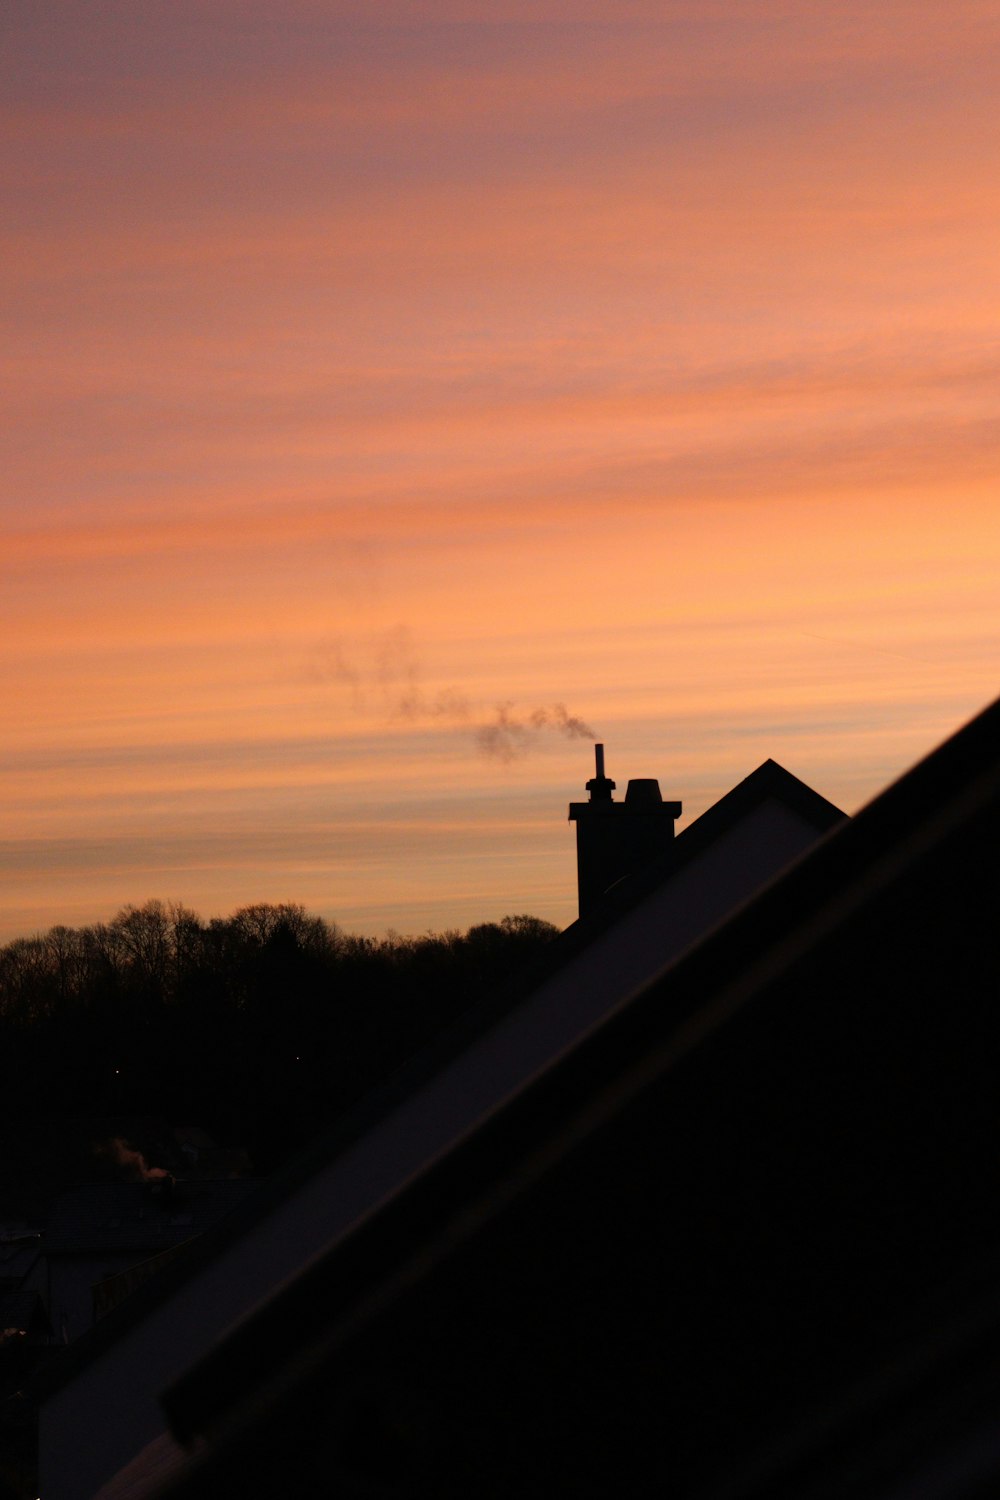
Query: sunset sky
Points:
[380, 374]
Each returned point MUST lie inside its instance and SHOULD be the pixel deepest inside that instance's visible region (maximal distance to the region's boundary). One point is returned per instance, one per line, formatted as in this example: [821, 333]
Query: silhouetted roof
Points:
[770, 782]
[742, 1237]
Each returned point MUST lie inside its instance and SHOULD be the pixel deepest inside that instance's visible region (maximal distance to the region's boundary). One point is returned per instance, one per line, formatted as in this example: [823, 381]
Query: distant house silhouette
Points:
[98, 1231]
[579, 1160]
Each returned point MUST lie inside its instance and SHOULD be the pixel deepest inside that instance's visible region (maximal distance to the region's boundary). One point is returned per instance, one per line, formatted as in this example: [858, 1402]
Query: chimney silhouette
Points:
[615, 838]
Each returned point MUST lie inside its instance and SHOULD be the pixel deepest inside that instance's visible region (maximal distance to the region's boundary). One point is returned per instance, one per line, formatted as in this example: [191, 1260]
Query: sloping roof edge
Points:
[768, 781]
[911, 817]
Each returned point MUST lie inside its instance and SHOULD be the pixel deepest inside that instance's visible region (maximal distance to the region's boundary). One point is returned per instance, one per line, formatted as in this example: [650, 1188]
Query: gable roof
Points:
[769, 783]
[734, 1228]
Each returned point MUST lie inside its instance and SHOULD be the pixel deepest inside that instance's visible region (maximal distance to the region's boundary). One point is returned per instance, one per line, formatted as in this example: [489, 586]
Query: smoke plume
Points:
[382, 673]
[132, 1162]
[509, 738]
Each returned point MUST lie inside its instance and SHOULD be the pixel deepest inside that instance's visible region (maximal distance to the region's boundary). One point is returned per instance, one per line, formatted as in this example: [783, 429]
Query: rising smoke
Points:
[508, 738]
[132, 1162]
[382, 673]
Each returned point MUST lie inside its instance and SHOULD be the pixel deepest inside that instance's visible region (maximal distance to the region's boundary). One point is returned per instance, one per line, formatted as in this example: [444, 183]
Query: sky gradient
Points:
[378, 374]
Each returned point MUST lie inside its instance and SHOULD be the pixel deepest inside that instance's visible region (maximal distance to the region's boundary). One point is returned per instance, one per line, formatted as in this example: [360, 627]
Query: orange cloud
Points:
[645, 364]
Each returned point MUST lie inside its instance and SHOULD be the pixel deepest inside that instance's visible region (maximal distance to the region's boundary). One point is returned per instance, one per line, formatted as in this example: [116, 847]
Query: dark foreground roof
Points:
[742, 1241]
[770, 782]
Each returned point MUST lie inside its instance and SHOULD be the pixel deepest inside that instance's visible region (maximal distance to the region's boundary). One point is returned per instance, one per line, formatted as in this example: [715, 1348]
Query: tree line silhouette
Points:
[262, 1026]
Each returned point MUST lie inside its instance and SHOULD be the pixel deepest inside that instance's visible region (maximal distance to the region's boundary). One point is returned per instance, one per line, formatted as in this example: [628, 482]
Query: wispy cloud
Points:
[676, 325]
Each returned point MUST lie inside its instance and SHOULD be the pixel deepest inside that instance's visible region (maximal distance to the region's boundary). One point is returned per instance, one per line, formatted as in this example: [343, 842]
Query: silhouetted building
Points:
[722, 858]
[739, 1241]
[99, 1230]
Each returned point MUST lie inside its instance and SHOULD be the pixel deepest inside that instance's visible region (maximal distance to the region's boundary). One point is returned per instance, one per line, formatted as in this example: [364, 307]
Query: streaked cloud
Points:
[374, 369]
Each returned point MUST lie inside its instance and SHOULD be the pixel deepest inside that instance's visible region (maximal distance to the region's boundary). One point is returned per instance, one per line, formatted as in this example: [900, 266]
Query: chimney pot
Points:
[643, 791]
